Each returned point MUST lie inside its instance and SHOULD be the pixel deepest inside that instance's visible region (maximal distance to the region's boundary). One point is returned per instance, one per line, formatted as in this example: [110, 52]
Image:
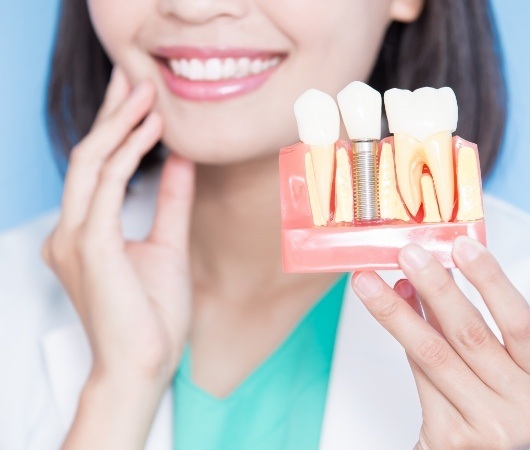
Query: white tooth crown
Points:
[214, 69]
[360, 106]
[421, 113]
[318, 118]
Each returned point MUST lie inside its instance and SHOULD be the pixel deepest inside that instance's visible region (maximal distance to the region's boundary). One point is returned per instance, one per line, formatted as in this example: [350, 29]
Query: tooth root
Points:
[314, 201]
[323, 157]
[437, 153]
[409, 167]
[343, 188]
[391, 206]
[438, 150]
[468, 182]
[430, 205]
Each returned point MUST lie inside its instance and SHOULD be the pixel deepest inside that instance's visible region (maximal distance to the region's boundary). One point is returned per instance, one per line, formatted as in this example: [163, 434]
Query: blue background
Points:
[31, 183]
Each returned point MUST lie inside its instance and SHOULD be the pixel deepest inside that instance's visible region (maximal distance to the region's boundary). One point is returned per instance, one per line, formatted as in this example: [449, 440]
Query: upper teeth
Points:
[213, 69]
[360, 106]
[421, 113]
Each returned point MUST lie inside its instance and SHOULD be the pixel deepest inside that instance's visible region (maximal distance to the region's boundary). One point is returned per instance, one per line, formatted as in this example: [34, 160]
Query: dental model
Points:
[352, 205]
[318, 121]
[423, 122]
[360, 106]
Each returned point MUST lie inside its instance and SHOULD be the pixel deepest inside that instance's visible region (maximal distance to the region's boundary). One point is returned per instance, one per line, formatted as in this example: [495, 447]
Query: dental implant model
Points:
[352, 205]
[360, 106]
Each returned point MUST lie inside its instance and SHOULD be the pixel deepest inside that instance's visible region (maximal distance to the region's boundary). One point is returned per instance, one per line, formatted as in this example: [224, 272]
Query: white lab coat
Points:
[372, 401]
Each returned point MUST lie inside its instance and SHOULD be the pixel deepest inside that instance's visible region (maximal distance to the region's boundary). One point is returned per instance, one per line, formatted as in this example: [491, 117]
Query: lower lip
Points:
[213, 90]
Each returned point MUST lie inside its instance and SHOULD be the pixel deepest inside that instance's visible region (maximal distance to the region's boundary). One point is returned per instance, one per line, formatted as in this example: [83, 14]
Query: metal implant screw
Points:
[365, 180]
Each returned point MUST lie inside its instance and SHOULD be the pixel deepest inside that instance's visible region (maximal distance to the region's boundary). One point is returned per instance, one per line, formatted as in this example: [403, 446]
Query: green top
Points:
[279, 405]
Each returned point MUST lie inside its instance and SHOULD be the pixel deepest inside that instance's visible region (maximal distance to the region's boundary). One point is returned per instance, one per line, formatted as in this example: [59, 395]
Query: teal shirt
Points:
[279, 406]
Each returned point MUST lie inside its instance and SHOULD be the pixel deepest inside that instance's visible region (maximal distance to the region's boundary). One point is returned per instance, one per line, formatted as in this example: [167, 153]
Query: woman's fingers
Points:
[431, 399]
[103, 218]
[117, 91]
[508, 307]
[462, 324]
[89, 156]
[432, 352]
[175, 196]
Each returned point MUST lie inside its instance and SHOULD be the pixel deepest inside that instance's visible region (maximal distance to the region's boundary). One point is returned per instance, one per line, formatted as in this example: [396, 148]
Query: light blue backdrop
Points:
[31, 184]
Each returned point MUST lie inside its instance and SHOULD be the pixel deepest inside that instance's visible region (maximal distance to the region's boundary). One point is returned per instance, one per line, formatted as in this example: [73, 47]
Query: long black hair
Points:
[453, 43]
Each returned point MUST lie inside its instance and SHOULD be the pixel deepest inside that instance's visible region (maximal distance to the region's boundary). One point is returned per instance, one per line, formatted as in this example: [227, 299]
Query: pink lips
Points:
[201, 90]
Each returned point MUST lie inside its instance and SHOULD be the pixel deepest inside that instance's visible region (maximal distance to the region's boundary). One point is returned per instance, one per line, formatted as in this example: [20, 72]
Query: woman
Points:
[195, 283]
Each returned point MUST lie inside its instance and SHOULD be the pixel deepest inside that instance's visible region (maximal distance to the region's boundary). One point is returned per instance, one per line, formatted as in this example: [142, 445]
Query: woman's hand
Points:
[474, 392]
[134, 298]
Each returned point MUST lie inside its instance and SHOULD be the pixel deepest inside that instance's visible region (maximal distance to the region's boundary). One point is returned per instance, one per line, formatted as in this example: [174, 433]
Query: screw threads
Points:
[365, 180]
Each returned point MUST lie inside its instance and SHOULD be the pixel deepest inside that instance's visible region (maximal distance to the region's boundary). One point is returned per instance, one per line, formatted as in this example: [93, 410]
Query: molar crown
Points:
[421, 113]
[318, 118]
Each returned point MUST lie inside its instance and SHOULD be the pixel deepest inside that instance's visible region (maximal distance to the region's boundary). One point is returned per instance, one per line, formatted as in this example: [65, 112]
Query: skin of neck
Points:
[244, 305]
[236, 232]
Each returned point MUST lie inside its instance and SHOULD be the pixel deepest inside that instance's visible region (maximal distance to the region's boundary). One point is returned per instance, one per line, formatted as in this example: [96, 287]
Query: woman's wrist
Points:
[114, 412]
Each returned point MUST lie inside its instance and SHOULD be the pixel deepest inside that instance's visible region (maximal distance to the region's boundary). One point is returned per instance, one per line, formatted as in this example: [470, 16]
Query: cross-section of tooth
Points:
[422, 122]
[314, 201]
[318, 121]
[430, 205]
[343, 188]
[468, 185]
[436, 152]
[391, 206]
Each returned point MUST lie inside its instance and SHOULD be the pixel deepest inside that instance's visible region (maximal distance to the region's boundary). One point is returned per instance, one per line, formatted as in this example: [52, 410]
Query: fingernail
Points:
[404, 289]
[407, 292]
[467, 249]
[367, 284]
[415, 257]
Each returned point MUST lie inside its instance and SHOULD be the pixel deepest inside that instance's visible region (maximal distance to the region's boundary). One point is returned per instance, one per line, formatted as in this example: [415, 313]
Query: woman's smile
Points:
[216, 73]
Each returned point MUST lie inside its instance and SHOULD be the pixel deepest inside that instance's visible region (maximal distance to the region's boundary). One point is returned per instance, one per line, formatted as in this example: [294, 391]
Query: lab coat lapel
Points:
[68, 361]
[372, 400]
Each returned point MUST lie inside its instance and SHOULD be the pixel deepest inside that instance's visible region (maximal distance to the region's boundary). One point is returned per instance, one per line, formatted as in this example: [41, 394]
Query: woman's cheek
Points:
[116, 22]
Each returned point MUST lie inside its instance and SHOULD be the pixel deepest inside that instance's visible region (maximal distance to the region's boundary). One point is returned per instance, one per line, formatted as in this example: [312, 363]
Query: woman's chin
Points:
[215, 152]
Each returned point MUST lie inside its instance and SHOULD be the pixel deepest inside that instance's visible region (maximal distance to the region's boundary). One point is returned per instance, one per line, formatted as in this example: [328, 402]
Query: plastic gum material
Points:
[347, 247]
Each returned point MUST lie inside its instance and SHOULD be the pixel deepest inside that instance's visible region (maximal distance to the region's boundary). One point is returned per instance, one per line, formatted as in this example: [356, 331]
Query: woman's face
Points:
[239, 65]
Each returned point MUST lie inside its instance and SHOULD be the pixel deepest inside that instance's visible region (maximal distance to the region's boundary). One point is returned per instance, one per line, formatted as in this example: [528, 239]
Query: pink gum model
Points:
[351, 247]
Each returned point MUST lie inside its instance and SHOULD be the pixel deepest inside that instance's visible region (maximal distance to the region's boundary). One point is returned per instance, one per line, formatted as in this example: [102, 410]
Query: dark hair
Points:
[453, 43]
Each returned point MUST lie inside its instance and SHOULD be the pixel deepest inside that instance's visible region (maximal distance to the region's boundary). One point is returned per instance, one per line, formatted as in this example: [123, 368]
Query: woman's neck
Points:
[236, 230]
[244, 305]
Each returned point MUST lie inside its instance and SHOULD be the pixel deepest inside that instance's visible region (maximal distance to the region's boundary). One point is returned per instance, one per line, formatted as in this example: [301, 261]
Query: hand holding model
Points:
[474, 391]
[474, 388]
[134, 298]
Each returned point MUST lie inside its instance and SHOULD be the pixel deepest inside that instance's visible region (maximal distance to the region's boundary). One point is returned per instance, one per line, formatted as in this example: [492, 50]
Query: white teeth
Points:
[255, 67]
[360, 106]
[214, 69]
[242, 67]
[184, 68]
[175, 67]
[421, 113]
[229, 68]
[318, 118]
[196, 70]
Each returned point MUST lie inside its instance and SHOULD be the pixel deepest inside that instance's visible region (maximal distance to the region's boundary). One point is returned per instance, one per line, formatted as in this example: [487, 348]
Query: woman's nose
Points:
[202, 11]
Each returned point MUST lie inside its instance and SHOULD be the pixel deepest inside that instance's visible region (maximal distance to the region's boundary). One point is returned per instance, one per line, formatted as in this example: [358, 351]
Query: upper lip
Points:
[186, 52]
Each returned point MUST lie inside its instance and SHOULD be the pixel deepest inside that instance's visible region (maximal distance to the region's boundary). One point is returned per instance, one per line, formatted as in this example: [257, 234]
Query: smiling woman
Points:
[166, 320]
